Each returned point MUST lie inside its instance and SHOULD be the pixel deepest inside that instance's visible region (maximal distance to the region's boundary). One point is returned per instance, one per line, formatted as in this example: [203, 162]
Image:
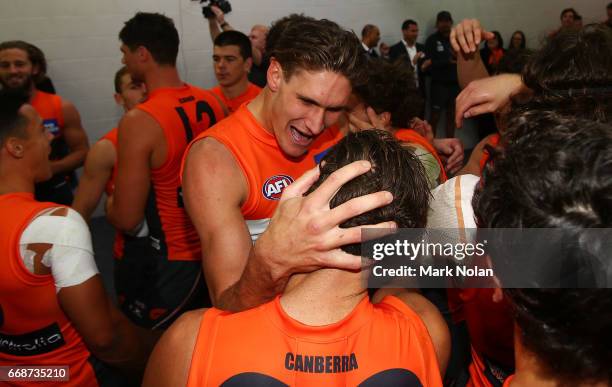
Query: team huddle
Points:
[239, 214]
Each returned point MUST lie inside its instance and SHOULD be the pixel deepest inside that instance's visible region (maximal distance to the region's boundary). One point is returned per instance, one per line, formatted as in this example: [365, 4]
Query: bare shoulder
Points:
[68, 107]
[210, 159]
[171, 359]
[185, 329]
[137, 118]
[102, 153]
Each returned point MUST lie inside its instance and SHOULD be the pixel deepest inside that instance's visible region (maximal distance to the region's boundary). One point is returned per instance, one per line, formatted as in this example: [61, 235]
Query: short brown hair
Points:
[394, 169]
[391, 88]
[118, 75]
[317, 45]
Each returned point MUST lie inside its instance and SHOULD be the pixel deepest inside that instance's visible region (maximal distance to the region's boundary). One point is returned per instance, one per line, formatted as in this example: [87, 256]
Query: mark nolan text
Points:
[431, 271]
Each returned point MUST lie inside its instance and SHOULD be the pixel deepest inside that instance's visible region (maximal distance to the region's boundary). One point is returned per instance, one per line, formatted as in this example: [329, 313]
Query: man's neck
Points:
[162, 77]
[237, 89]
[11, 182]
[409, 44]
[260, 107]
[323, 297]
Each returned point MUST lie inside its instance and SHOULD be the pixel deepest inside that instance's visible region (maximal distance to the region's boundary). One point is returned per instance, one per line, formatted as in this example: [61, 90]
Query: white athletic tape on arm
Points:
[71, 257]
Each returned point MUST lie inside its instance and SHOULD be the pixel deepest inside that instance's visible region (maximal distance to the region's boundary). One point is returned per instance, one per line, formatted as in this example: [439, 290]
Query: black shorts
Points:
[443, 95]
[153, 291]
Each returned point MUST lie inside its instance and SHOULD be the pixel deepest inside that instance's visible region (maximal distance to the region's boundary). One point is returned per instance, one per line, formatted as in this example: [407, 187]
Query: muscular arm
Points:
[96, 173]
[138, 134]
[303, 234]
[75, 138]
[215, 213]
[107, 333]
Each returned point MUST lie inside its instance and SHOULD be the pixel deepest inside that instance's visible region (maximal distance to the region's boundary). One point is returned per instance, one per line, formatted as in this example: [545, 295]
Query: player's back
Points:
[376, 344]
[182, 113]
[33, 328]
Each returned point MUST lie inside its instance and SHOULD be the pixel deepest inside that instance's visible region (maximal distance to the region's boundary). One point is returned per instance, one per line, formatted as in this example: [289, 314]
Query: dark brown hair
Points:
[391, 87]
[394, 169]
[319, 45]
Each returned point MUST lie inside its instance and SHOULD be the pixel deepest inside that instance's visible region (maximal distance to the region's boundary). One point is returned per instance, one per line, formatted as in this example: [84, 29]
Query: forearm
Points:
[69, 163]
[130, 347]
[214, 29]
[257, 285]
[470, 68]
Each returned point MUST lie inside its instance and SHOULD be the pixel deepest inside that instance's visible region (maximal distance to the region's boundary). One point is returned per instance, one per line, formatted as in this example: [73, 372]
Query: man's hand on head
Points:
[304, 233]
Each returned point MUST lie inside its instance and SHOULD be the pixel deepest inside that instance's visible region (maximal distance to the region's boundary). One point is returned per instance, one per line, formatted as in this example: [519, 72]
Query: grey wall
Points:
[79, 37]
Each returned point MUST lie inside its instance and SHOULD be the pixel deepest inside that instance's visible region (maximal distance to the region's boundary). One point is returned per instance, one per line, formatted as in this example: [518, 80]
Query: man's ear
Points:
[35, 70]
[15, 147]
[385, 118]
[119, 99]
[143, 54]
[248, 63]
[275, 75]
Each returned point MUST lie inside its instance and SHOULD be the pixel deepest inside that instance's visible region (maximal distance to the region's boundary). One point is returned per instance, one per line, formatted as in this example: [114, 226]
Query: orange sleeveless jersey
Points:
[265, 167]
[384, 344]
[491, 329]
[49, 107]
[109, 188]
[233, 104]
[410, 135]
[493, 141]
[183, 113]
[33, 328]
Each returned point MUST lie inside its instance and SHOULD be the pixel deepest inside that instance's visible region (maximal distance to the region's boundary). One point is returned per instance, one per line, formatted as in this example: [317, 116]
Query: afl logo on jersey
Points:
[52, 126]
[274, 186]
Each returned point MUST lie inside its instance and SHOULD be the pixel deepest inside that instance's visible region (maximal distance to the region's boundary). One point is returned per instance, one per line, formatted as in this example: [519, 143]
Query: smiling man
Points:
[60, 117]
[236, 171]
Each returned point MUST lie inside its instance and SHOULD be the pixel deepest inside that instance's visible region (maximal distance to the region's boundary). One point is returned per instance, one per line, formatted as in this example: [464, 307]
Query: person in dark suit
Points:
[411, 52]
[370, 36]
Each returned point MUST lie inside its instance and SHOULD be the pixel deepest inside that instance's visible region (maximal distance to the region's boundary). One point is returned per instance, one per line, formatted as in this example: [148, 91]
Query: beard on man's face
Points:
[17, 83]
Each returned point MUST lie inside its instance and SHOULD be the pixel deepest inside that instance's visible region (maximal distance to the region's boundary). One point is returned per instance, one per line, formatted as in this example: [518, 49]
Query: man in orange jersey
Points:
[53, 309]
[323, 330]
[99, 170]
[60, 117]
[235, 173]
[233, 59]
[148, 198]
